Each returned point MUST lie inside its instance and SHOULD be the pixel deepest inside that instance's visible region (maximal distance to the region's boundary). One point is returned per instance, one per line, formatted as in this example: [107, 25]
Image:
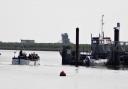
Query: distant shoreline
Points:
[38, 46]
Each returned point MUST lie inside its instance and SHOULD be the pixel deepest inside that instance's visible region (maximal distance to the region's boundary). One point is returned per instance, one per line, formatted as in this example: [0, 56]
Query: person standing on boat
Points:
[20, 53]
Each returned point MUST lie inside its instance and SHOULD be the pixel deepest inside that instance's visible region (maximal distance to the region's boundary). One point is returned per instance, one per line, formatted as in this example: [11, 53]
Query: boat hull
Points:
[17, 61]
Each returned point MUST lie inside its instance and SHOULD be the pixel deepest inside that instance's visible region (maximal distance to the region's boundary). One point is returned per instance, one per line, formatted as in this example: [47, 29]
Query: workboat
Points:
[23, 59]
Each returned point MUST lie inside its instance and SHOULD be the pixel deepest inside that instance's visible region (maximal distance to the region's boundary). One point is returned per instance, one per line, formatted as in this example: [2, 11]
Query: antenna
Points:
[102, 25]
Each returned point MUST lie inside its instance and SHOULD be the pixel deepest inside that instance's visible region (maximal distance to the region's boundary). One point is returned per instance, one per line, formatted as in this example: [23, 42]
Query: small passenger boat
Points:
[23, 59]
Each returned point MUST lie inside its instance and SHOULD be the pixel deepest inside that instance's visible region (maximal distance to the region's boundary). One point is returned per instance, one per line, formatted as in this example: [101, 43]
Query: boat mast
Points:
[102, 26]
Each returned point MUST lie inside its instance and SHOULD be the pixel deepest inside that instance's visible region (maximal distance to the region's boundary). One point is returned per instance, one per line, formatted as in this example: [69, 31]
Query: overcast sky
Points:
[45, 20]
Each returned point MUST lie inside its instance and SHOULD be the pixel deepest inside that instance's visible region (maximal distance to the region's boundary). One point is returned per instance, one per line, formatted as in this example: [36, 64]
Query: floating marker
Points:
[62, 73]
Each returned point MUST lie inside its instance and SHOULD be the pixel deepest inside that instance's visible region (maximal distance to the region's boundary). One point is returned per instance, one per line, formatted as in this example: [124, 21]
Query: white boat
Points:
[23, 59]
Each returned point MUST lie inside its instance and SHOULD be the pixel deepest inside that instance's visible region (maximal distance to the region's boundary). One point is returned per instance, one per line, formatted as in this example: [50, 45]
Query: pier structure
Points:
[114, 59]
[71, 56]
[119, 50]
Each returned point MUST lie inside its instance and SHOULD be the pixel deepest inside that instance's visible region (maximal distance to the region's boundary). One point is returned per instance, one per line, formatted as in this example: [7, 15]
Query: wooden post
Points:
[77, 47]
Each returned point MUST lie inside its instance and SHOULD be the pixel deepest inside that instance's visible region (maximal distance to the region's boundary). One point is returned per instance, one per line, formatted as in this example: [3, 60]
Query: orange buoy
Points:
[62, 73]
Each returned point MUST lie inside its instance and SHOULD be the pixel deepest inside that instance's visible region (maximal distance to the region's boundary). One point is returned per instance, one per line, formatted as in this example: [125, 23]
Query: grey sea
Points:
[46, 75]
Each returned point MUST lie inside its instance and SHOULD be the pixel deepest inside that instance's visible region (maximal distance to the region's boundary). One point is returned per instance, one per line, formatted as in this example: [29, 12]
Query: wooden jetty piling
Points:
[77, 47]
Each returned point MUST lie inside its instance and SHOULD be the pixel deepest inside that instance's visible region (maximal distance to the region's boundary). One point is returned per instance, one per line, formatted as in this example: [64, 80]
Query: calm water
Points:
[46, 57]
[46, 76]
